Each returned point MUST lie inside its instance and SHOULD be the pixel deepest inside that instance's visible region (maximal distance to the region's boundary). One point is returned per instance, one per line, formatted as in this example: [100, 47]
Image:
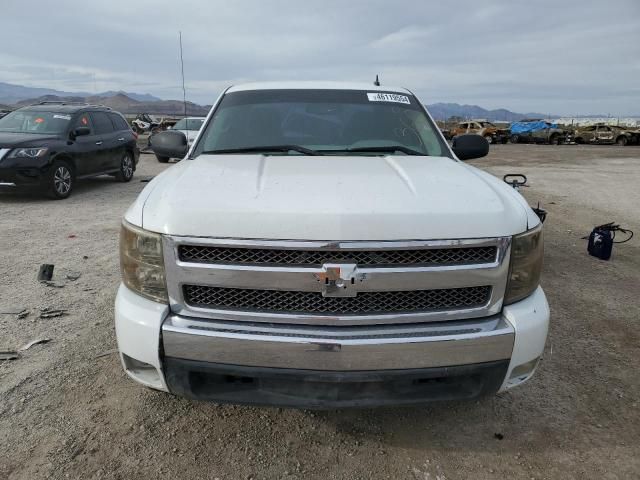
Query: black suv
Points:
[50, 145]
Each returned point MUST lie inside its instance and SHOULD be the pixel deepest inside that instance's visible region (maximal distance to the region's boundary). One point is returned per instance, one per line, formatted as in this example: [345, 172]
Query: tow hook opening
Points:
[143, 372]
[522, 372]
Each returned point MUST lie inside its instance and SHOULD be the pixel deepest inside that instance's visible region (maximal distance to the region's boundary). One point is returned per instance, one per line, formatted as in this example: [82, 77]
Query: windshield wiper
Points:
[268, 148]
[383, 149]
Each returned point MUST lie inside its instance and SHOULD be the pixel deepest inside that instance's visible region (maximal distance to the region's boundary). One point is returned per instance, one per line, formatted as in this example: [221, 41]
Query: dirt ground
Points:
[67, 410]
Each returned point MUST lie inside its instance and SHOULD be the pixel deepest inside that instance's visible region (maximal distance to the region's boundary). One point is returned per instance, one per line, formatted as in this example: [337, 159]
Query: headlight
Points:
[527, 250]
[142, 263]
[29, 152]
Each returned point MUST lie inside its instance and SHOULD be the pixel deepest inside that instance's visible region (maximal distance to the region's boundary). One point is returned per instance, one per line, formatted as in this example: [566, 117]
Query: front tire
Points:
[515, 138]
[489, 139]
[622, 141]
[162, 159]
[125, 174]
[60, 181]
[554, 140]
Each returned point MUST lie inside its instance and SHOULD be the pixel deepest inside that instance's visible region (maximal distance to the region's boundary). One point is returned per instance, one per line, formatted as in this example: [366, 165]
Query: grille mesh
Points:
[276, 301]
[315, 258]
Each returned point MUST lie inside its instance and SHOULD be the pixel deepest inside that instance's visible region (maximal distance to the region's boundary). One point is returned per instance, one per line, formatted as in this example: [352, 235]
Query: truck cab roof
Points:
[316, 85]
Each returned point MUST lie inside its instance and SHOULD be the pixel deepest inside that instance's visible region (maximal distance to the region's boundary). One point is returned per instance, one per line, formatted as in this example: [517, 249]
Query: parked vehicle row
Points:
[541, 131]
[190, 126]
[146, 123]
[49, 146]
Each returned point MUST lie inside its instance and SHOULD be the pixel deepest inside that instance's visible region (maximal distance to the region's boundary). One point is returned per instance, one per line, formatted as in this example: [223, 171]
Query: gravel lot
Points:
[68, 411]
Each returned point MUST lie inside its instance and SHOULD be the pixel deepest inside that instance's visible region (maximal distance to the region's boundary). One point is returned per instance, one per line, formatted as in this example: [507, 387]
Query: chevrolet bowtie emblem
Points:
[339, 279]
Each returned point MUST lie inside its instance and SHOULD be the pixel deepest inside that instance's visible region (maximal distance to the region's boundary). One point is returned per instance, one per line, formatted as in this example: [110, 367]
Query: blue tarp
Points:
[526, 127]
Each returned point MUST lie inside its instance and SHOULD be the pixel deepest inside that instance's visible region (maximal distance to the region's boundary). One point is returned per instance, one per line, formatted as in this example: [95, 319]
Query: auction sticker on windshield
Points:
[388, 97]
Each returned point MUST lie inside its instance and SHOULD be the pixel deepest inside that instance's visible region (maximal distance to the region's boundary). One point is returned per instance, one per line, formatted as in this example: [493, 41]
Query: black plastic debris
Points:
[45, 274]
[602, 238]
[498, 436]
[540, 212]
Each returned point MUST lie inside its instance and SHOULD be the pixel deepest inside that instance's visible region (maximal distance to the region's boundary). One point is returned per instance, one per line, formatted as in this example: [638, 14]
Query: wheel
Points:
[162, 159]
[126, 168]
[514, 138]
[489, 139]
[60, 181]
[554, 140]
[578, 140]
[622, 140]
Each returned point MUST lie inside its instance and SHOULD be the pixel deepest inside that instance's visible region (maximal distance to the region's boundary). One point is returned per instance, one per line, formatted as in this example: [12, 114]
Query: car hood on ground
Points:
[329, 198]
[12, 140]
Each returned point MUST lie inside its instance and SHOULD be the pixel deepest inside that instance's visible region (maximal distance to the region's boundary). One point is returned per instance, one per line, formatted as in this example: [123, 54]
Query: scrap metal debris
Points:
[39, 341]
[107, 353]
[14, 354]
[8, 355]
[73, 276]
[19, 312]
[52, 312]
[11, 310]
[53, 284]
[45, 274]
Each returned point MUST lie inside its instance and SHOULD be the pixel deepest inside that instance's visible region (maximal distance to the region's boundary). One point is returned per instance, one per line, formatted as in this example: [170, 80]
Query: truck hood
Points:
[329, 198]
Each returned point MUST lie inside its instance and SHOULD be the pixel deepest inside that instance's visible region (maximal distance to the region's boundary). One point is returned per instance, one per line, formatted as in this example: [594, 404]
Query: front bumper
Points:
[23, 178]
[311, 366]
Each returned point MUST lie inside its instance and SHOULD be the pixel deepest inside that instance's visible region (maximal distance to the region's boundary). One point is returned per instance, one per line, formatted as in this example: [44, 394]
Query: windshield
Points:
[328, 121]
[189, 124]
[28, 121]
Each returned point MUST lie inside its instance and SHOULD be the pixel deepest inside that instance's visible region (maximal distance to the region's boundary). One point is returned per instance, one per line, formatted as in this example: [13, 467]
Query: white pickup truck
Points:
[322, 246]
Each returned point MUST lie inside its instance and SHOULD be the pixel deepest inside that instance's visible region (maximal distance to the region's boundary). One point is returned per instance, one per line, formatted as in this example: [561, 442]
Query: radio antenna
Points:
[377, 82]
[184, 91]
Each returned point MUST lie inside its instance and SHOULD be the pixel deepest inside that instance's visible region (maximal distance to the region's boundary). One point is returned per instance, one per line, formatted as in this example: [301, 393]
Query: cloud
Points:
[561, 57]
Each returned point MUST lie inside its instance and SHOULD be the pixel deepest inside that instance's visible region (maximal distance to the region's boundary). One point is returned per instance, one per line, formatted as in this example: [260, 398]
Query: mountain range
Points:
[444, 111]
[12, 94]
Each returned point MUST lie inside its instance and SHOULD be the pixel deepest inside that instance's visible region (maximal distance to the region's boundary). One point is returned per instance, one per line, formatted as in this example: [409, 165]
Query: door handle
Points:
[99, 143]
[121, 139]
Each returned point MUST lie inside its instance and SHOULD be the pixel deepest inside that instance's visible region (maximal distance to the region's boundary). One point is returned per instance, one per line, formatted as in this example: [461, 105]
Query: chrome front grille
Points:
[336, 283]
[316, 258]
[367, 303]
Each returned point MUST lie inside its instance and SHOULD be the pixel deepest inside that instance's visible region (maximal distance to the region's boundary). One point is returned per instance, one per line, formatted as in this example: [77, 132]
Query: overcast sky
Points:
[561, 57]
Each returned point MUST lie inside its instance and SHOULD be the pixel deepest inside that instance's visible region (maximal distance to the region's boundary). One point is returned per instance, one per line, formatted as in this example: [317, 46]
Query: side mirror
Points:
[80, 132]
[170, 143]
[470, 146]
